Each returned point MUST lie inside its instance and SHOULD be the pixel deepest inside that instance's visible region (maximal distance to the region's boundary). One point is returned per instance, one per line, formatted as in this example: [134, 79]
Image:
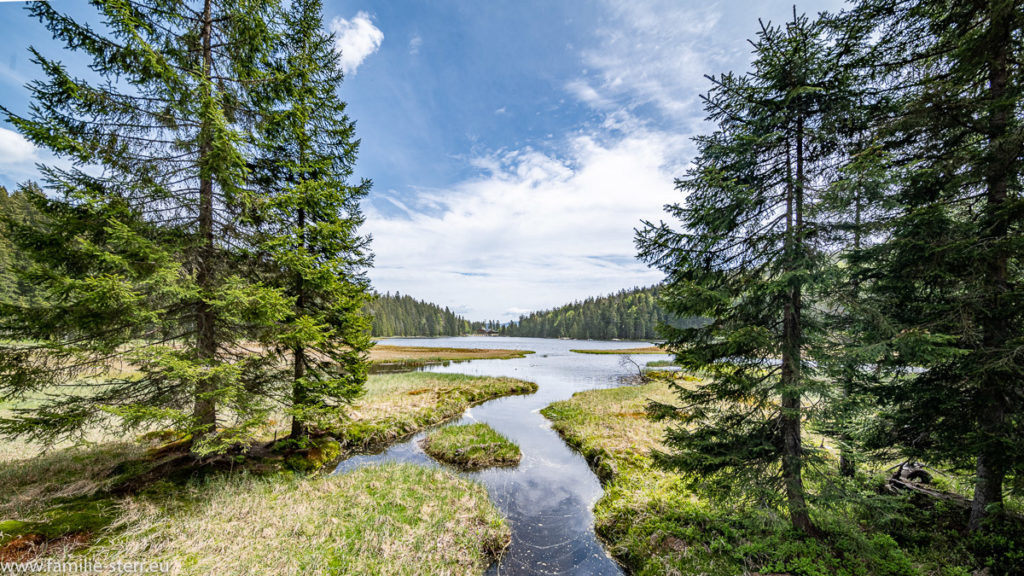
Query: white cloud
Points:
[18, 158]
[414, 44]
[652, 53]
[356, 40]
[535, 230]
[15, 149]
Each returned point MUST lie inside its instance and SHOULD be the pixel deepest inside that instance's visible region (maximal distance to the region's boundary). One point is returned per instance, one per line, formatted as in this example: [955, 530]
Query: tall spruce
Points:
[747, 260]
[946, 281]
[310, 219]
[148, 310]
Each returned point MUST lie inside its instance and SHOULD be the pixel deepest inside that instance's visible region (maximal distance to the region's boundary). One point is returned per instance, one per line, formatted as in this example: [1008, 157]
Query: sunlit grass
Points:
[391, 519]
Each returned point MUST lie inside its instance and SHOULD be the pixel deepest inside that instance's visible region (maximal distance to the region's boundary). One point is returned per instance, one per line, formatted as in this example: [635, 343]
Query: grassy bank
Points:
[393, 519]
[641, 350]
[135, 501]
[387, 355]
[656, 522]
[471, 446]
[397, 405]
[375, 520]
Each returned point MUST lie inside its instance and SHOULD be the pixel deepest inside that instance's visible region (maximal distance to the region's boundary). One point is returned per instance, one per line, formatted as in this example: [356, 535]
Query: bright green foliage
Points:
[309, 218]
[944, 310]
[748, 261]
[147, 312]
[628, 314]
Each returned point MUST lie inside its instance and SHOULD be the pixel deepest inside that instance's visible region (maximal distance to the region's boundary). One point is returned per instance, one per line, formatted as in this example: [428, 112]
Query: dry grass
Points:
[392, 519]
[397, 405]
[641, 350]
[386, 354]
[612, 420]
[386, 520]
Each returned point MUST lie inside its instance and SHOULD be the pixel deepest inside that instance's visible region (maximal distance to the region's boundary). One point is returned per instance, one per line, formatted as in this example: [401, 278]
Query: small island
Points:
[471, 447]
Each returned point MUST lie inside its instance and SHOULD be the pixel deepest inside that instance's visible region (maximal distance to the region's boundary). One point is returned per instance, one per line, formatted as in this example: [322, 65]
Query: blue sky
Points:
[514, 146]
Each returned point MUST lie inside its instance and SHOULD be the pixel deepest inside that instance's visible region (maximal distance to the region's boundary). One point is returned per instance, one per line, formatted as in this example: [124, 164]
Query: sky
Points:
[514, 146]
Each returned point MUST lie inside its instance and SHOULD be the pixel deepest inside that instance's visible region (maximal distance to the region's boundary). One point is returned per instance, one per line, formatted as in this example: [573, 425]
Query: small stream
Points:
[547, 499]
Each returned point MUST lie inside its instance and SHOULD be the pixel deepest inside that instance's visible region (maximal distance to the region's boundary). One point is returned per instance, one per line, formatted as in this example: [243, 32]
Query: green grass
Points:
[656, 522]
[661, 363]
[115, 498]
[390, 519]
[471, 446]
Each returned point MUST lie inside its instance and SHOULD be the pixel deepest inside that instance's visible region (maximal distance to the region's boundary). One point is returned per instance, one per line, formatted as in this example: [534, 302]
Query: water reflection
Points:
[548, 498]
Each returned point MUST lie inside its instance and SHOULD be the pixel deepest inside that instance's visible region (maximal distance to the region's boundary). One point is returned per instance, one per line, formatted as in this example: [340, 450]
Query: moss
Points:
[11, 529]
[78, 516]
[471, 446]
[314, 455]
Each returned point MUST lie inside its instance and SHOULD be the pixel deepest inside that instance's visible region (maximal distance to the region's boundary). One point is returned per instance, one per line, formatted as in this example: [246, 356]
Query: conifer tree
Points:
[748, 262]
[946, 283]
[311, 217]
[148, 309]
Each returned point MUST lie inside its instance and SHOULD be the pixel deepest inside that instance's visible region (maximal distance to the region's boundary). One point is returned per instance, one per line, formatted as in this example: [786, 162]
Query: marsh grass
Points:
[641, 350]
[658, 522]
[127, 499]
[397, 405]
[471, 446]
[384, 354]
[389, 519]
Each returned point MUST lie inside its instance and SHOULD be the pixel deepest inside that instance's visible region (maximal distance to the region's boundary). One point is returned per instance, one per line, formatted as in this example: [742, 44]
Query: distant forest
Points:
[402, 315]
[629, 315]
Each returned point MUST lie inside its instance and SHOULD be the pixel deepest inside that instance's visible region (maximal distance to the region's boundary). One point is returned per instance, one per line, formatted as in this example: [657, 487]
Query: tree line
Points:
[195, 260]
[628, 315]
[853, 227]
[402, 315]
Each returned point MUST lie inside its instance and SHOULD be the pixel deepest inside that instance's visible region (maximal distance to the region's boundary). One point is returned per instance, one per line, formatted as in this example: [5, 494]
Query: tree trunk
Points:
[299, 395]
[205, 410]
[792, 449]
[990, 469]
[847, 466]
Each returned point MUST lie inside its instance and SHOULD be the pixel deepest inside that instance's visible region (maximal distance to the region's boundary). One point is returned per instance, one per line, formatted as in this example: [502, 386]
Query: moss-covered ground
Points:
[660, 522]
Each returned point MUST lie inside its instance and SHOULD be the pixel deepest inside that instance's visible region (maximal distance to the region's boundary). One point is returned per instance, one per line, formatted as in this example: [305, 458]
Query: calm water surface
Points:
[548, 498]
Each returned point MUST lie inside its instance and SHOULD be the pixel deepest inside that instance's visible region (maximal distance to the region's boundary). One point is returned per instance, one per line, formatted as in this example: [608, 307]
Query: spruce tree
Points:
[149, 310]
[945, 283]
[747, 261]
[310, 219]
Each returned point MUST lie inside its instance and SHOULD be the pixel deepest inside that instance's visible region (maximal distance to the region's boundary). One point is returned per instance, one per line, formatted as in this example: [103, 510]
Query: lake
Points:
[548, 498]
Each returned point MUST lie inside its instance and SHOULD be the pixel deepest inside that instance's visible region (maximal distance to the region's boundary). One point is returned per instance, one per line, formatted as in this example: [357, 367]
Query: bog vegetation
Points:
[843, 271]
